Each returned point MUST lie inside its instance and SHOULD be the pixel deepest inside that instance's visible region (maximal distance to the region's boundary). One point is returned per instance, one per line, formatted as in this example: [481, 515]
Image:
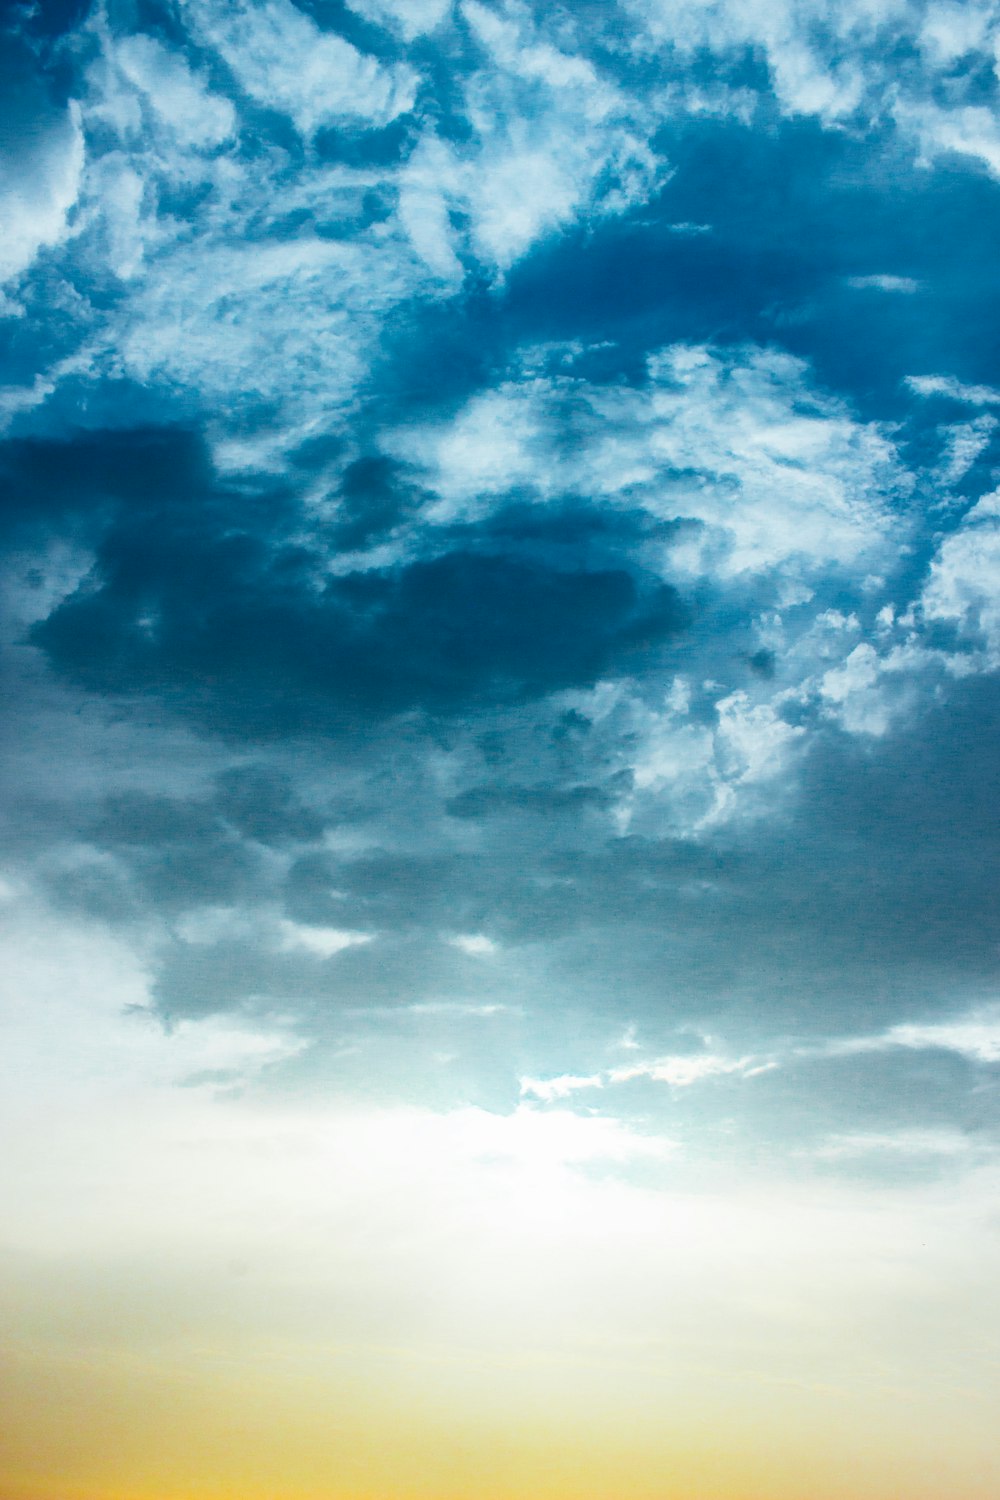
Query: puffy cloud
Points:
[771, 473]
[181, 100]
[412, 18]
[284, 61]
[970, 130]
[40, 177]
[475, 944]
[965, 577]
[837, 65]
[551, 140]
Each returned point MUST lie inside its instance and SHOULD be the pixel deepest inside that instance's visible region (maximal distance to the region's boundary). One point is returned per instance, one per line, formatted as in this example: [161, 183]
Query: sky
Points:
[500, 622]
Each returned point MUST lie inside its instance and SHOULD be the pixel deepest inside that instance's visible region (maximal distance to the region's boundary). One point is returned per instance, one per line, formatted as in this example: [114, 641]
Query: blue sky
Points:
[501, 547]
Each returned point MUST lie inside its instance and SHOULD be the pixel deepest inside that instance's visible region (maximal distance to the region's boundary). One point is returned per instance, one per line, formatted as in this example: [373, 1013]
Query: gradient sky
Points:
[501, 629]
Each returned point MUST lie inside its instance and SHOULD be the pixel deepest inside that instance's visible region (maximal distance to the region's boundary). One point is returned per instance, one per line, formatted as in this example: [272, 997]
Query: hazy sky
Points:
[501, 628]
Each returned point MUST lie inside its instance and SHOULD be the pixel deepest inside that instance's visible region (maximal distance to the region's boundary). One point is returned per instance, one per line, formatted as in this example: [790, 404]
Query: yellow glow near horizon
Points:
[233, 1297]
[392, 1426]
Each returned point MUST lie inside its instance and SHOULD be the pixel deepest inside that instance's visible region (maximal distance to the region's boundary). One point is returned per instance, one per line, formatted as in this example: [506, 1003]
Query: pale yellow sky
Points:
[217, 1294]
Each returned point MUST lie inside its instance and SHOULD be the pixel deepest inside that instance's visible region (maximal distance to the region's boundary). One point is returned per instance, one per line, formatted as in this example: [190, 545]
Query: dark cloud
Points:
[87, 481]
[263, 805]
[247, 636]
[180, 852]
[374, 500]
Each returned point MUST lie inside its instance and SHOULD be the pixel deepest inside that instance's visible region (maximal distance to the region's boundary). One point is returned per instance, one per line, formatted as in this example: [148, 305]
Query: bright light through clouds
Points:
[500, 549]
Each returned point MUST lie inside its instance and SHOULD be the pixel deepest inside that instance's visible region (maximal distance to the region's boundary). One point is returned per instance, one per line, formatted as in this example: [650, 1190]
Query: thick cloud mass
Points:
[501, 544]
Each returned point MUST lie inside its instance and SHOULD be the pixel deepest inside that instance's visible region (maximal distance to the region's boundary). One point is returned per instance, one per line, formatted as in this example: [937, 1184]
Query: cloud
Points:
[839, 66]
[551, 141]
[737, 442]
[282, 59]
[253, 273]
[901, 1143]
[41, 171]
[955, 390]
[683, 1071]
[179, 97]
[475, 944]
[412, 18]
[89, 1036]
[965, 575]
[323, 942]
[975, 1036]
[970, 130]
[549, 1089]
[904, 284]
[248, 632]
[680, 1071]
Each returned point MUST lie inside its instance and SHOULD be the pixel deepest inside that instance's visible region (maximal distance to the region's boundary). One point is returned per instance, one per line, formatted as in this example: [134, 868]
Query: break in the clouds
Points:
[500, 550]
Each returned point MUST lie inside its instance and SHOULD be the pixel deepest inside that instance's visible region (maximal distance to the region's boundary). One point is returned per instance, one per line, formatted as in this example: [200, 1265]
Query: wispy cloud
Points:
[974, 1035]
[883, 283]
[955, 390]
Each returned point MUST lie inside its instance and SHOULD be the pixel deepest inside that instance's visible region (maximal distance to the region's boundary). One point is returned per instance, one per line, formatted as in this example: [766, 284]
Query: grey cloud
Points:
[243, 637]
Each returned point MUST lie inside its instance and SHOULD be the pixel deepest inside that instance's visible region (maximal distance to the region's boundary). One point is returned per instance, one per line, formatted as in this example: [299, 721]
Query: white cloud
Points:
[475, 944]
[283, 61]
[949, 32]
[776, 473]
[17, 399]
[752, 740]
[969, 130]
[679, 1070]
[208, 925]
[905, 284]
[550, 141]
[181, 100]
[79, 1033]
[947, 385]
[856, 1145]
[838, 63]
[238, 305]
[974, 1035]
[561, 1087]
[446, 1008]
[821, 61]
[321, 942]
[124, 203]
[411, 18]
[964, 583]
[847, 687]
[430, 183]
[963, 444]
[685, 1069]
[214, 924]
[38, 187]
